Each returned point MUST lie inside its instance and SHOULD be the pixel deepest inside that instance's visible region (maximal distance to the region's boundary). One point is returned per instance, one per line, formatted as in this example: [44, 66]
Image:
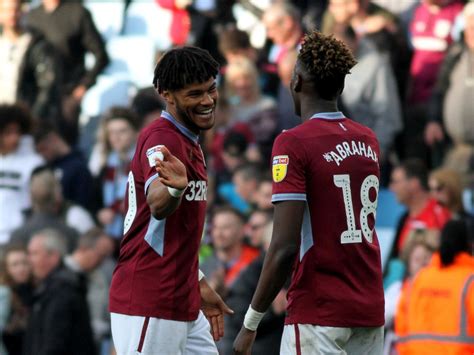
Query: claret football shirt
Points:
[157, 270]
[332, 163]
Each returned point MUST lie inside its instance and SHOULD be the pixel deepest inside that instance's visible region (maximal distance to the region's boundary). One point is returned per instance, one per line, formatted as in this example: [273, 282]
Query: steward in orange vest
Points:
[436, 312]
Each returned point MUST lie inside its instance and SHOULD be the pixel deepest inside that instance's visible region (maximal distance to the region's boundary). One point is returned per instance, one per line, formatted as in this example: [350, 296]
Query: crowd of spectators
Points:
[63, 179]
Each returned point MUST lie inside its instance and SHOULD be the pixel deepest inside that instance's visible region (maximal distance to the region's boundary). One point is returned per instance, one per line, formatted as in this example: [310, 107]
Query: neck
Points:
[311, 106]
[227, 255]
[11, 33]
[172, 111]
[50, 6]
[293, 40]
[418, 202]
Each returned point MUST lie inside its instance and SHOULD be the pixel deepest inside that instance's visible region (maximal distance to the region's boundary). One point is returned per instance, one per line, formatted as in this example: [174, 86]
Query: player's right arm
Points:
[164, 193]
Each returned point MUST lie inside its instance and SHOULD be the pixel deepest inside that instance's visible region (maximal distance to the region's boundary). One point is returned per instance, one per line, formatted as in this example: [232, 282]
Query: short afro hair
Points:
[15, 114]
[182, 66]
[327, 61]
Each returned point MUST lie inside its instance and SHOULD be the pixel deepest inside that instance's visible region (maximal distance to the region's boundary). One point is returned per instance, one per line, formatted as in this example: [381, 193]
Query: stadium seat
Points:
[107, 16]
[146, 18]
[133, 58]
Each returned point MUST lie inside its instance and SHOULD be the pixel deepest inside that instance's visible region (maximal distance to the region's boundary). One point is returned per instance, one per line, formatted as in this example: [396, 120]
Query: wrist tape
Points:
[252, 319]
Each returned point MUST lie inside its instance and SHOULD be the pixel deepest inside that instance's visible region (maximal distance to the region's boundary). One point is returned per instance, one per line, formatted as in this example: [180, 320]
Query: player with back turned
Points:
[325, 187]
[158, 297]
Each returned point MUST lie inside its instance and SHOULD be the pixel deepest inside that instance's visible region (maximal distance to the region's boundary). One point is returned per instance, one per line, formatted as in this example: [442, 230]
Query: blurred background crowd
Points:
[75, 91]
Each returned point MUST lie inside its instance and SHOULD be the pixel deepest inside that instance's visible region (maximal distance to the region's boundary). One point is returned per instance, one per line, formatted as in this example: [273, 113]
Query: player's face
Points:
[194, 106]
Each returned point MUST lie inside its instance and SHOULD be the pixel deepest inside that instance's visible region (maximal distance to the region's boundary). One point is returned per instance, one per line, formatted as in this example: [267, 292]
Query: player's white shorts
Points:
[154, 336]
[307, 339]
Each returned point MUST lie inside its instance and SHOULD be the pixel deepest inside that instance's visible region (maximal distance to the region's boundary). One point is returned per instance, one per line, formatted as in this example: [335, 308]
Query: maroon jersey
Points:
[331, 163]
[157, 270]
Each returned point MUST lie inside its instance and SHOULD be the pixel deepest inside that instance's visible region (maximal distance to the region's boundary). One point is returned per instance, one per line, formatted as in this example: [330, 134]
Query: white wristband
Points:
[175, 192]
[252, 319]
[201, 275]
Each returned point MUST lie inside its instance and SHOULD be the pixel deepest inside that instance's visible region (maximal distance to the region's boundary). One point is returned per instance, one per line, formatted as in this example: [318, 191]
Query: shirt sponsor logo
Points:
[153, 154]
[280, 167]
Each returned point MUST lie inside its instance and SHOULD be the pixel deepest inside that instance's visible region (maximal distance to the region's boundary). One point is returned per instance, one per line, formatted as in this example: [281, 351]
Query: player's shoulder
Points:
[160, 129]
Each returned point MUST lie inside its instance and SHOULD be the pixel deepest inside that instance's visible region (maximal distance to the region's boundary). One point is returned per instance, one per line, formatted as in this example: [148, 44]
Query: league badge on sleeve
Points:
[153, 154]
[280, 167]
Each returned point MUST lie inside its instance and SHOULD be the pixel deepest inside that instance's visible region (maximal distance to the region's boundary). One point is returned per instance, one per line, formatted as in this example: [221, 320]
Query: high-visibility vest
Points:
[437, 310]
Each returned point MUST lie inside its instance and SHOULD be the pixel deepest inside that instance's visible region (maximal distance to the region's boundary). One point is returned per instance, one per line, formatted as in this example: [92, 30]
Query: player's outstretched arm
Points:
[281, 254]
[213, 308]
[164, 193]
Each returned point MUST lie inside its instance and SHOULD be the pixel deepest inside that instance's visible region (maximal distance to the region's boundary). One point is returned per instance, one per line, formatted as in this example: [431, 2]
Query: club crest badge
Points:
[280, 167]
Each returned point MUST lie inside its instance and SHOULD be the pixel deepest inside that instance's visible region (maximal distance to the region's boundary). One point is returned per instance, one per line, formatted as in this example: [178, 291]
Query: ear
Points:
[297, 82]
[168, 97]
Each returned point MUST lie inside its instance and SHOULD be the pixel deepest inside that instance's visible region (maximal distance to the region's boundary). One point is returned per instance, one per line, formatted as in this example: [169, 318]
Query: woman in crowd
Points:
[17, 279]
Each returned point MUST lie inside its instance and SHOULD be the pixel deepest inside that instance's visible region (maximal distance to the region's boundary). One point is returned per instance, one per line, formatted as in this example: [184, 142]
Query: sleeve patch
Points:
[153, 154]
[280, 167]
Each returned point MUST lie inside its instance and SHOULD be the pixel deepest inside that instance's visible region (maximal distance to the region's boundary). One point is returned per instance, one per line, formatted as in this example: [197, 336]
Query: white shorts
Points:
[307, 339]
[154, 336]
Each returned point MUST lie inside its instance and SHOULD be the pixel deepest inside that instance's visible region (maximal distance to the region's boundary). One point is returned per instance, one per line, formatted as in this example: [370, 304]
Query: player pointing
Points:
[326, 179]
[157, 304]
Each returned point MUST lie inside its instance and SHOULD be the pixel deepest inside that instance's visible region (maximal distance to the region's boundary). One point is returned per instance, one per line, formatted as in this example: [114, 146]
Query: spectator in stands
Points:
[18, 278]
[17, 161]
[451, 104]
[147, 105]
[416, 254]
[436, 314]
[234, 45]
[5, 305]
[59, 322]
[430, 30]
[240, 294]
[248, 105]
[231, 256]
[47, 211]
[409, 183]
[69, 27]
[68, 164]
[255, 227]
[246, 179]
[446, 187]
[282, 21]
[29, 69]
[118, 136]
[263, 197]
[92, 249]
[286, 112]
[370, 96]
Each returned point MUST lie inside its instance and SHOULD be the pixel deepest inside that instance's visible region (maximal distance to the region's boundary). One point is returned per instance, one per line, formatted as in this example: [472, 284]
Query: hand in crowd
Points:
[433, 133]
[105, 216]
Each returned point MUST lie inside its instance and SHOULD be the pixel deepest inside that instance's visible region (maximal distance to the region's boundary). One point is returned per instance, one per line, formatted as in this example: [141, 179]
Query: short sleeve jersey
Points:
[157, 270]
[331, 163]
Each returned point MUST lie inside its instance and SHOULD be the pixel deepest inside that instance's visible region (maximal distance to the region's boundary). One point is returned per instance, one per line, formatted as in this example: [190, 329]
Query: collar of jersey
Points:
[329, 115]
[187, 132]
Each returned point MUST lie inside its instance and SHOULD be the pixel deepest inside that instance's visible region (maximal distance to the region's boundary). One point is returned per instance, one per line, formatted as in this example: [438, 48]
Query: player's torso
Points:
[161, 255]
[339, 249]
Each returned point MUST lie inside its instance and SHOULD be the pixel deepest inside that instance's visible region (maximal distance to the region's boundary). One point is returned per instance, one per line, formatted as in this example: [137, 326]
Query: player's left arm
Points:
[213, 308]
[283, 249]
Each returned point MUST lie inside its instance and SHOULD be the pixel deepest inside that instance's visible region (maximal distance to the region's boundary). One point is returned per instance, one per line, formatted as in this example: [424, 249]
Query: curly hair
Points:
[182, 66]
[327, 61]
[17, 114]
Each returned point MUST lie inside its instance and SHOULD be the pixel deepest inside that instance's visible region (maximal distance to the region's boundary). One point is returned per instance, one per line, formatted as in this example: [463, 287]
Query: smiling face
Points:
[194, 105]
